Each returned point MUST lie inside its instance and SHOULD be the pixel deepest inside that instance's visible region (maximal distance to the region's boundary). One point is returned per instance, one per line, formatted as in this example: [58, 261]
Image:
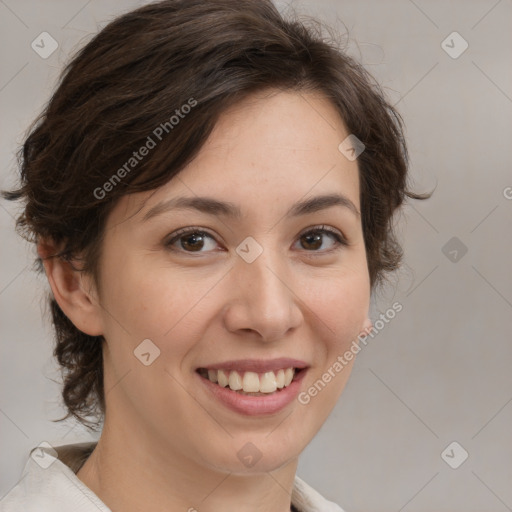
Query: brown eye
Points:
[192, 240]
[313, 239]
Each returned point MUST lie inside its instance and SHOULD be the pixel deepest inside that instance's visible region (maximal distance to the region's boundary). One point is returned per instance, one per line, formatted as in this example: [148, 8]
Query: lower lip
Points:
[255, 405]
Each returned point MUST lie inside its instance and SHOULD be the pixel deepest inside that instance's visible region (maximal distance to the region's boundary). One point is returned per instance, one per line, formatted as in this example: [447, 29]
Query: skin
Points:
[166, 444]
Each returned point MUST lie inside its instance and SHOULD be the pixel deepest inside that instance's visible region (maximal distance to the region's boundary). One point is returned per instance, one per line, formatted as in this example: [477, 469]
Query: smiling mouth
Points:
[252, 383]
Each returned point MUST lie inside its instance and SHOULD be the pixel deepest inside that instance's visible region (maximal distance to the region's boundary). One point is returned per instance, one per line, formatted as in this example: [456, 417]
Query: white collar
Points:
[49, 484]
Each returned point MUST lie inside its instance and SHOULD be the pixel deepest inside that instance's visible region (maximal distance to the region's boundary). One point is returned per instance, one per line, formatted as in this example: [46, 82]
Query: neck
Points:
[128, 466]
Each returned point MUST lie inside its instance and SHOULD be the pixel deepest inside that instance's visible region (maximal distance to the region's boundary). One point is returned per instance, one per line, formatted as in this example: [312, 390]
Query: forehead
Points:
[288, 125]
[272, 148]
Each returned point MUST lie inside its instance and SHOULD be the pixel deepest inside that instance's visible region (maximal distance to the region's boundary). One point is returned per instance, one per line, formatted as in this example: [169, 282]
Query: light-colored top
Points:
[49, 484]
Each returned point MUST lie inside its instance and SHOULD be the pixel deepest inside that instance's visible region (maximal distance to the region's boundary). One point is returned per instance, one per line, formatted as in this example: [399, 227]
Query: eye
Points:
[314, 239]
[193, 240]
[190, 240]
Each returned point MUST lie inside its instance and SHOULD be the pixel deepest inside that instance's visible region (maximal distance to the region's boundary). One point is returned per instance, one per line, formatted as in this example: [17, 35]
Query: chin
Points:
[257, 453]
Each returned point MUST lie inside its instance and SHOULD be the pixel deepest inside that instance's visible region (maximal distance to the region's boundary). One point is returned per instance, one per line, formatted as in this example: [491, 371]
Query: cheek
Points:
[342, 304]
[159, 303]
[144, 302]
[144, 299]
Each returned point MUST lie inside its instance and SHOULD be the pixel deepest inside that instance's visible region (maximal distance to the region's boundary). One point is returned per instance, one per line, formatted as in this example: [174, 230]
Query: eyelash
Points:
[337, 236]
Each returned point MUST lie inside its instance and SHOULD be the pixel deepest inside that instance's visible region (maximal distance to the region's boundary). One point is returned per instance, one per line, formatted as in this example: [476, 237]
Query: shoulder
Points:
[47, 484]
[307, 499]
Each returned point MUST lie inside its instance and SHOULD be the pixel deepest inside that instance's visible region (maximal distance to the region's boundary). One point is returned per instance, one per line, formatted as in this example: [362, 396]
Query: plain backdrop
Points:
[439, 372]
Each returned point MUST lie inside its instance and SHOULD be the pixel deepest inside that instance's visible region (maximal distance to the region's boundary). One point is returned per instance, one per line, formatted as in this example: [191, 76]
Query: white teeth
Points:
[288, 376]
[280, 379]
[268, 382]
[235, 381]
[222, 379]
[252, 382]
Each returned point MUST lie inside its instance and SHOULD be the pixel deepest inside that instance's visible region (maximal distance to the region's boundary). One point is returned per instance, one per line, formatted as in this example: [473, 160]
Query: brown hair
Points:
[132, 79]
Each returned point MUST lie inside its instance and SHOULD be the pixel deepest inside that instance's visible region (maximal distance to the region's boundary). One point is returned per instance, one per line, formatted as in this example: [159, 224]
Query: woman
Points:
[211, 191]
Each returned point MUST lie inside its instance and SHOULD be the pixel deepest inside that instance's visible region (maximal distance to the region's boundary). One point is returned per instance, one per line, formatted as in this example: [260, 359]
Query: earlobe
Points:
[72, 289]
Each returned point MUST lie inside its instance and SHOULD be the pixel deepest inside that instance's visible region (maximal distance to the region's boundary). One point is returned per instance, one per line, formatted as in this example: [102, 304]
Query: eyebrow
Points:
[215, 207]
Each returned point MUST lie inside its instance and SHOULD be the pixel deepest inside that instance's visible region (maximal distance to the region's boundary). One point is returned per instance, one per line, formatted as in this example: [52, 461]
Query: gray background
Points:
[440, 371]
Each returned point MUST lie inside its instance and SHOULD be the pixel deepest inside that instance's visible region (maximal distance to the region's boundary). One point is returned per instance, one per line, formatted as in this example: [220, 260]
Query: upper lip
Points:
[257, 365]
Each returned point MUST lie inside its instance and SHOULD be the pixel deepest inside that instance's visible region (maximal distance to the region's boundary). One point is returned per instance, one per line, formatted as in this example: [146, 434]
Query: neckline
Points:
[75, 455]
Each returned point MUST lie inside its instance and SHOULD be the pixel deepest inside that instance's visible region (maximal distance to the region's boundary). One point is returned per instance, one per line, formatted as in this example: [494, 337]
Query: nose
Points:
[264, 301]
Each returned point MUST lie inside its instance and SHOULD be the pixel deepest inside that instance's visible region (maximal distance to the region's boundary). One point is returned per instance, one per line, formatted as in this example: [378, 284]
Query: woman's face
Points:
[256, 292]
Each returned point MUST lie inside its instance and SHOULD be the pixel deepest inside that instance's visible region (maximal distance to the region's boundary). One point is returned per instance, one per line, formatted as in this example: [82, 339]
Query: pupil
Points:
[194, 237]
[315, 238]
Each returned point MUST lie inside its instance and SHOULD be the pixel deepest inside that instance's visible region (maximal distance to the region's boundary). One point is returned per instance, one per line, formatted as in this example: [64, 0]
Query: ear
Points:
[73, 290]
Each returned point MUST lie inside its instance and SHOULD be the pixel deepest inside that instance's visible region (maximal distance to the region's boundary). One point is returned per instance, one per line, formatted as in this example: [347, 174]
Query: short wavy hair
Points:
[130, 78]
